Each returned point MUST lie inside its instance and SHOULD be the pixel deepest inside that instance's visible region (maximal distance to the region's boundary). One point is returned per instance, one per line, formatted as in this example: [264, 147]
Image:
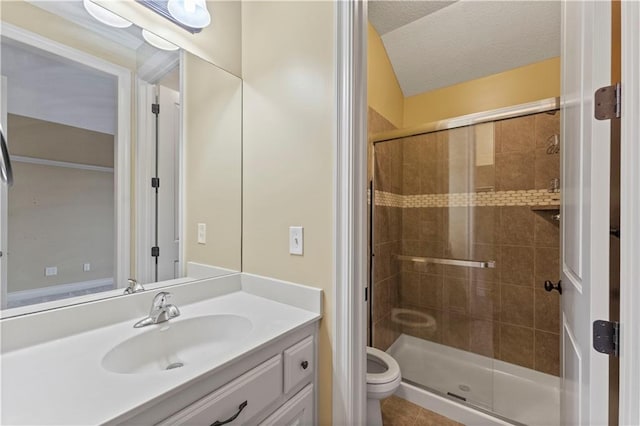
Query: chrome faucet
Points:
[134, 287]
[161, 311]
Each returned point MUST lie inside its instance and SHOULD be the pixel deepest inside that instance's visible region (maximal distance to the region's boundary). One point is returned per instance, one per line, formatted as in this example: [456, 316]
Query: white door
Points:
[169, 172]
[586, 54]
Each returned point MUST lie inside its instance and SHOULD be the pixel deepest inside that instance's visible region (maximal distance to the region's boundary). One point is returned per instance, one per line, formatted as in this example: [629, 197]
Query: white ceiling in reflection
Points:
[47, 87]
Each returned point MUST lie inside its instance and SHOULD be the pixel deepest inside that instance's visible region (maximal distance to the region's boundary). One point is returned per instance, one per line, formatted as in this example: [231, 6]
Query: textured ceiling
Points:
[464, 40]
[387, 15]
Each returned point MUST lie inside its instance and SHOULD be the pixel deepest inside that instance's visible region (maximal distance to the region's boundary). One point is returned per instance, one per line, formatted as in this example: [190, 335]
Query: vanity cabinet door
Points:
[237, 401]
[298, 411]
[298, 363]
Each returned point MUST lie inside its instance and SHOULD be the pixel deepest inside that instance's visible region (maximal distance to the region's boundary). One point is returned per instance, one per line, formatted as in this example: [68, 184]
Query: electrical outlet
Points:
[202, 233]
[50, 271]
[296, 240]
[86, 267]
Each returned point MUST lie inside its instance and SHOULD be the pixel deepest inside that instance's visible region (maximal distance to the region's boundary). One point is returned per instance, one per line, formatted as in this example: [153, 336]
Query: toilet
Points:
[383, 378]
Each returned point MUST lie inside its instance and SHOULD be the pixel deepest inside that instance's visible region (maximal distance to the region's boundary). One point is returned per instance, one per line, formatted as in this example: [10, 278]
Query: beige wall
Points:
[59, 216]
[383, 90]
[31, 137]
[220, 43]
[288, 142]
[213, 157]
[540, 80]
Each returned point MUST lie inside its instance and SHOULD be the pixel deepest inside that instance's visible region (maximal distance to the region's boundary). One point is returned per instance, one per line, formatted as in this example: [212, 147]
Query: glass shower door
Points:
[437, 282]
[465, 235]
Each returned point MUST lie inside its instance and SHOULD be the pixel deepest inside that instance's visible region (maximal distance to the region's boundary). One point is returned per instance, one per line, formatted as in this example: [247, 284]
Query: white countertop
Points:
[62, 381]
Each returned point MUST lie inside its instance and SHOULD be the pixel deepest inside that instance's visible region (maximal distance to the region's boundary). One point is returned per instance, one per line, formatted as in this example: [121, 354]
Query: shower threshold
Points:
[508, 392]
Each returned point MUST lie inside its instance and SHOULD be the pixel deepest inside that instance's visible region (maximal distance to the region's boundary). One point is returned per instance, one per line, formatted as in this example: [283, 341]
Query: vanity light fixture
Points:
[105, 16]
[157, 41]
[191, 15]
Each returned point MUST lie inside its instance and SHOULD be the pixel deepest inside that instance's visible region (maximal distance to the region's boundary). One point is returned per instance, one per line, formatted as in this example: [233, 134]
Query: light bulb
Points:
[192, 13]
[105, 16]
[157, 41]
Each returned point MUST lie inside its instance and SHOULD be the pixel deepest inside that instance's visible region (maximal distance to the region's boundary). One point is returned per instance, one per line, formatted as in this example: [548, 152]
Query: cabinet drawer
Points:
[298, 363]
[298, 411]
[245, 397]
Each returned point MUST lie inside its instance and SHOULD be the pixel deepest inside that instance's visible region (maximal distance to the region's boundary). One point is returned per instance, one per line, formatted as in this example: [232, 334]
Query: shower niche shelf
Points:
[554, 210]
[547, 208]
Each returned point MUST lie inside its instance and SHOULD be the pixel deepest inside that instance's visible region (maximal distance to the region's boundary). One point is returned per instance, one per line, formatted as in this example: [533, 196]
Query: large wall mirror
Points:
[126, 155]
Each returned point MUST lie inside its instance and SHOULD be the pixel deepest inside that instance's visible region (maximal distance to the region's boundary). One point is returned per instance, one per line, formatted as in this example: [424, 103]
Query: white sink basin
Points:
[177, 343]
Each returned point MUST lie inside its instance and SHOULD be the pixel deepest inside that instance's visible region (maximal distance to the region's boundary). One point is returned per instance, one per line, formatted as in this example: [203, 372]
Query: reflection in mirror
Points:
[113, 161]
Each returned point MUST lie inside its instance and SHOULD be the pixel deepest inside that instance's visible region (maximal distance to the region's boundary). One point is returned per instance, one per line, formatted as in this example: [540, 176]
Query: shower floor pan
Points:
[512, 392]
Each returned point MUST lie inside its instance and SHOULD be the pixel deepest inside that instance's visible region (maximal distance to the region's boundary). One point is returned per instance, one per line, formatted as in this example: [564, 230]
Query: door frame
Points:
[145, 169]
[350, 213]
[4, 196]
[122, 140]
[349, 389]
[144, 172]
[629, 213]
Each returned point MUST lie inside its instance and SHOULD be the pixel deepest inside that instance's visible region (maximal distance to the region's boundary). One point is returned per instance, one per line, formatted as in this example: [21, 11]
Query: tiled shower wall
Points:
[503, 313]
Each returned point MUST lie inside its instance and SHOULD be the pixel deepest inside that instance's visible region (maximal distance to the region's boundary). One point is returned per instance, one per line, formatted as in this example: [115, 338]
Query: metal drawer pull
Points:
[304, 364]
[232, 418]
[453, 262]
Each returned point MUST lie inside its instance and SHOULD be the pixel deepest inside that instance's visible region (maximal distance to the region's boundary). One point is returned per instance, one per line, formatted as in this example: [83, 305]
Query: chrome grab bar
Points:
[453, 262]
[6, 171]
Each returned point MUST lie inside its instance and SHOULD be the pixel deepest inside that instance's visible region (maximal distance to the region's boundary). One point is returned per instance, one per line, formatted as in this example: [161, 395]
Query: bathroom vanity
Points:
[237, 348]
[242, 351]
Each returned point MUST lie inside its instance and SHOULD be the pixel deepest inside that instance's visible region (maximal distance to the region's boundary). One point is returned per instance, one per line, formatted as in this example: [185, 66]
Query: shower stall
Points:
[465, 234]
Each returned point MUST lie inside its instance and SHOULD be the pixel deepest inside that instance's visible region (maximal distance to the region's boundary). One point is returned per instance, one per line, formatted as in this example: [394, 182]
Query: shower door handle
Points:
[451, 262]
[6, 171]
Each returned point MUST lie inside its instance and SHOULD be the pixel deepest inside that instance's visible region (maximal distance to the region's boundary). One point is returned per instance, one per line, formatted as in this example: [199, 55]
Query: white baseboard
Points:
[20, 298]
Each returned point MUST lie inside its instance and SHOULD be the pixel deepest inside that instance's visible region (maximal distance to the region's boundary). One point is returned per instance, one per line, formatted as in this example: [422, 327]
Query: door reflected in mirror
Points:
[121, 146]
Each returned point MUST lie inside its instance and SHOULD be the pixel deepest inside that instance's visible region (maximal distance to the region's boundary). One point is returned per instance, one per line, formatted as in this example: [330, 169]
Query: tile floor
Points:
[399, 412]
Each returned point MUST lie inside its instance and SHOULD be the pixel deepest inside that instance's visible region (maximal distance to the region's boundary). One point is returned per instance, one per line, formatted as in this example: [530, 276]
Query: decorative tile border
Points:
[531, 197]
[389, 199]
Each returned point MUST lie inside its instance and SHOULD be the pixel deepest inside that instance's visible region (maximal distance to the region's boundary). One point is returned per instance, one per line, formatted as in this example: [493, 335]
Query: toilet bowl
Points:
[383, 378]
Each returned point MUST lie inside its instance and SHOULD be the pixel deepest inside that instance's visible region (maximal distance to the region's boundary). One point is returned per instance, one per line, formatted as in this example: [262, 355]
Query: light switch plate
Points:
[202, 233]
[296, 240]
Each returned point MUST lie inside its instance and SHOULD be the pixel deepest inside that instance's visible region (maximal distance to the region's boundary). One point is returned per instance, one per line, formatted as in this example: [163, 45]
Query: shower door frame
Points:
[519, 110]
[349, 390]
